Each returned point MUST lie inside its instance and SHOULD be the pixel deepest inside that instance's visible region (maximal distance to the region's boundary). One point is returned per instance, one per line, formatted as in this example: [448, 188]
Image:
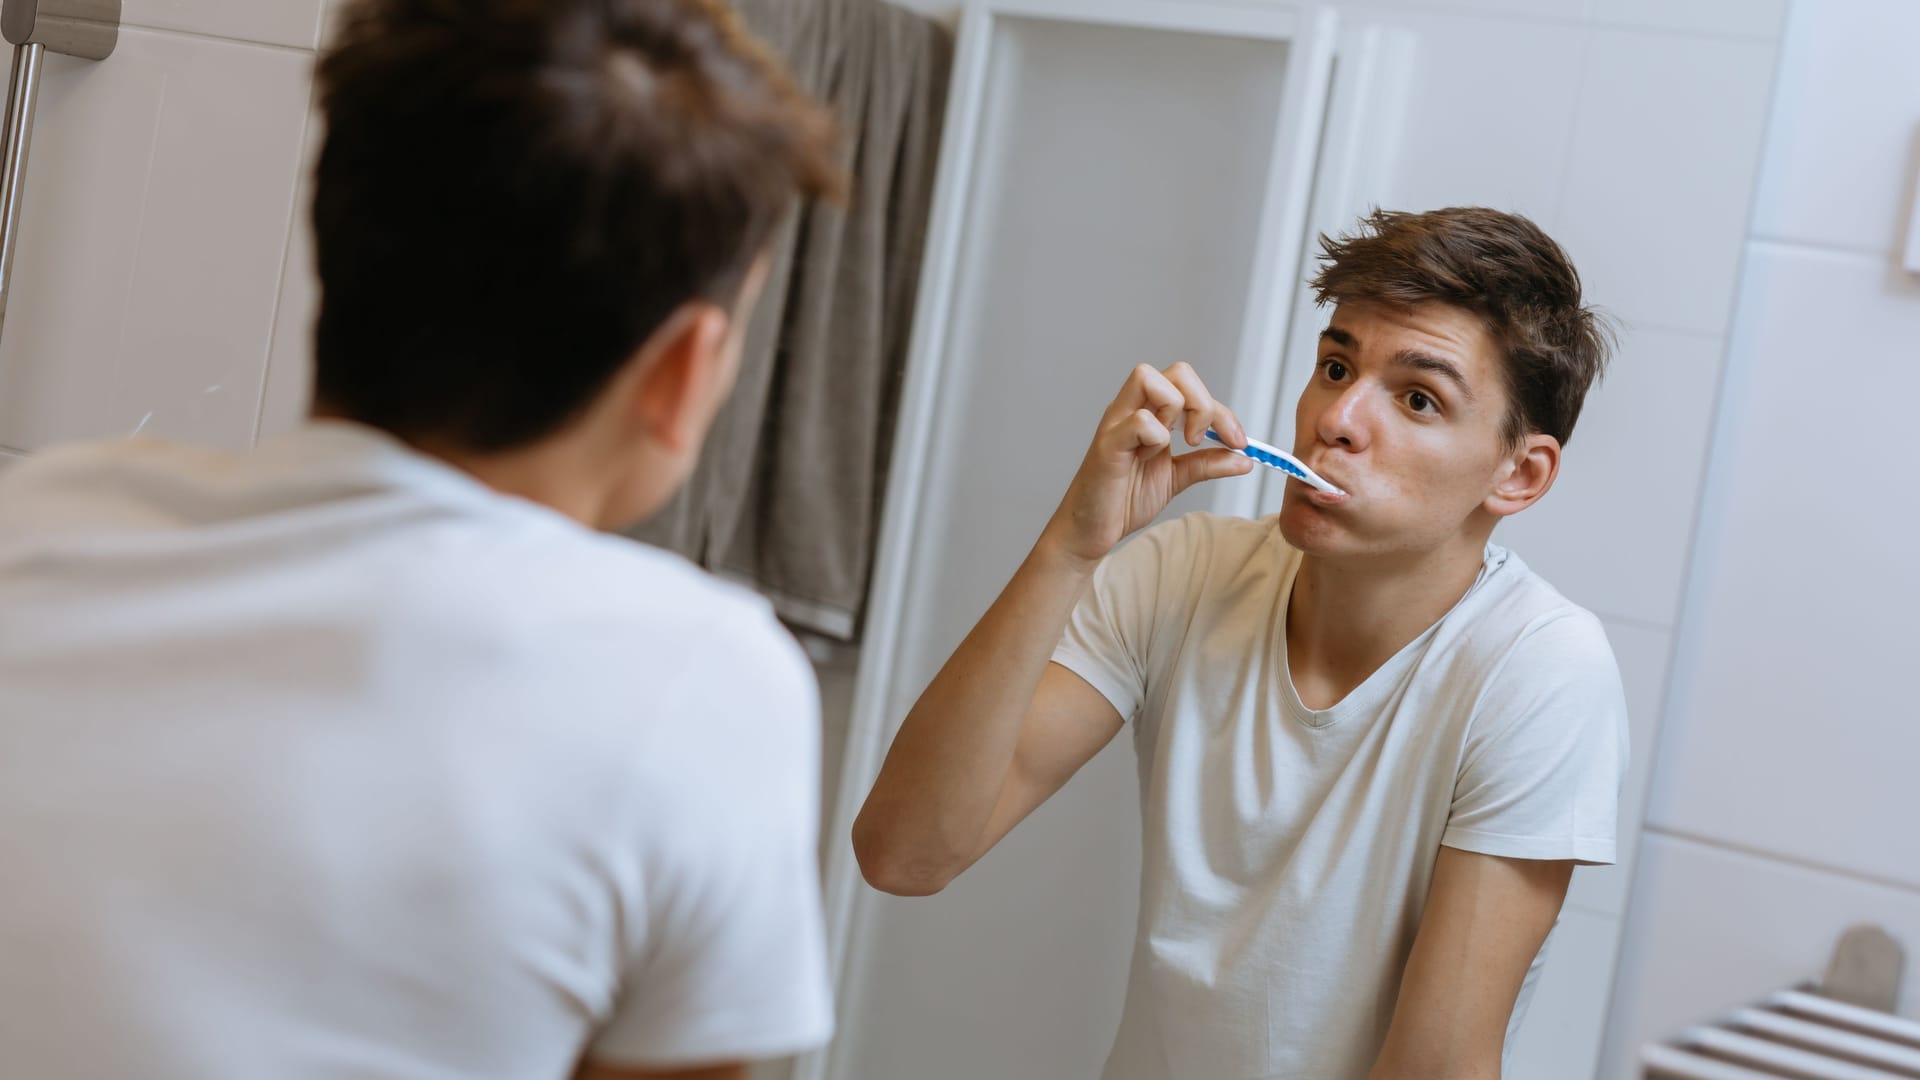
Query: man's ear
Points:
[678, 379]
[1525, 475]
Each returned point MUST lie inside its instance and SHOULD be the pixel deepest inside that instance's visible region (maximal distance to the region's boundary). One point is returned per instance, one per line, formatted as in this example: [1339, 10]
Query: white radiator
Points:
[1803, 1034]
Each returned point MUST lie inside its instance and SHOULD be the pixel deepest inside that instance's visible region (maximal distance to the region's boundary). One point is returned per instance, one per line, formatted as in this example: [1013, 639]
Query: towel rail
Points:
[88, 29]
[1841, 1029]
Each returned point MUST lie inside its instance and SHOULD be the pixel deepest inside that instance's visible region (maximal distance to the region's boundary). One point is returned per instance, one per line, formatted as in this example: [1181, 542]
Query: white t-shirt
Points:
[1288, 851]
[329, 761]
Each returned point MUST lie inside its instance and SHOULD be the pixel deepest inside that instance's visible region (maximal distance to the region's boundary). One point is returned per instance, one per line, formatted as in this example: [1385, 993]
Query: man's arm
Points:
[996, 733]
[1001, 728]
[1485, 921]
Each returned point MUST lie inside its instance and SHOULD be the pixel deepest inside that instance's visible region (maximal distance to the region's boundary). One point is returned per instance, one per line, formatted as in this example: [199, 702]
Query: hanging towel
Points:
[787, 493]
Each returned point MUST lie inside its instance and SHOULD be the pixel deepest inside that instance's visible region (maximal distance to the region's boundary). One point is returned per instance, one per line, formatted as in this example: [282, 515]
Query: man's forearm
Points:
[1382, 1070]
[936, 793]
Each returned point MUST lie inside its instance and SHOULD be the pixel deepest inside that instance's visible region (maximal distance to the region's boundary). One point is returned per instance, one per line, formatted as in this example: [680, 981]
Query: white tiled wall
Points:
[1660, 177]
[1454, 150]
[1756, 18]
[160, 196]
[290, 367]
[293, 23]
[1839, 159]
[1785, 797]
[1613, 533]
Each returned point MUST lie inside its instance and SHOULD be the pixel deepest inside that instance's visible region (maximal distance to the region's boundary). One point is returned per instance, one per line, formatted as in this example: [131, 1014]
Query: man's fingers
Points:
[1140, 429]
[1180, 401]
[1204, 410]
[1228, 426]
[1200, 406]
[1148, 389]
[1201, 465]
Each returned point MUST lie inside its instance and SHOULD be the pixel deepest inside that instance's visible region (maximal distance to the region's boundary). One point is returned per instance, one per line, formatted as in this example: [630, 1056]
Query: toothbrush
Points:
[1274, 457]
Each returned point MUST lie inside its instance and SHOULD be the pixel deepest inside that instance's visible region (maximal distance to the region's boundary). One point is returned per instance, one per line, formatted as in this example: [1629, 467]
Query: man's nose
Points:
[1344, 422]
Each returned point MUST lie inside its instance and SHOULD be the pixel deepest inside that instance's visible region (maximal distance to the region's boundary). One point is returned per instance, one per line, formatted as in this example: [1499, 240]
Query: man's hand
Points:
[1001, 727]
[1130, 472]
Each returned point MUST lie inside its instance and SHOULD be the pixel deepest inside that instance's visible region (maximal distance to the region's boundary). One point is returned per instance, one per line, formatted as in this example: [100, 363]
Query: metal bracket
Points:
[88, 29]
[1866, 969]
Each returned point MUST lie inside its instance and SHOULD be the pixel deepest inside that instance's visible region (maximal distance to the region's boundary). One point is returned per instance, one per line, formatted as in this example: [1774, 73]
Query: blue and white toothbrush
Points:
[1276, 458]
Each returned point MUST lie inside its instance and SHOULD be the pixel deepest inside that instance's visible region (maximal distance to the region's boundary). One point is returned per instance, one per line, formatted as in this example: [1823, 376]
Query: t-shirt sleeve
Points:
[732, 964]
[1547, 751]
[1109, 636]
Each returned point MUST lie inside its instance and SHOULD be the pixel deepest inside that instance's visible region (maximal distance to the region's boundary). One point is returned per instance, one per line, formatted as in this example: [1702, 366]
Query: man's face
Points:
[1404, 414]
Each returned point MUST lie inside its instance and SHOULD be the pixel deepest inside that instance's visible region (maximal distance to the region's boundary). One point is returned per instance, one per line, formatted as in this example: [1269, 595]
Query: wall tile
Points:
[157, 202]
[1845, 142]
[1453, 148]
[1659, 183]
[1746, 18]
[275, 22]
[289, 388]
[1789, 727]
[1613, 532]
[1710, 930]
[1531, 10]
[1560, 1037]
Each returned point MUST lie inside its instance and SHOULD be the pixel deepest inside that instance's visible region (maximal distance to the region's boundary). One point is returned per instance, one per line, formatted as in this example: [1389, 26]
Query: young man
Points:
[366, 754]
[1373, 744]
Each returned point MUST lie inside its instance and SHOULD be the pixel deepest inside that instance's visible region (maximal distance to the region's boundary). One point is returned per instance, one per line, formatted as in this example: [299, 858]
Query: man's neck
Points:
[558, 473]
[551, 475]
[1348, 617]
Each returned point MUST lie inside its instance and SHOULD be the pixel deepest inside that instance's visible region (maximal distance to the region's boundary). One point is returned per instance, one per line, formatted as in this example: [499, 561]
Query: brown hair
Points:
[1498, 266]
[513, 195]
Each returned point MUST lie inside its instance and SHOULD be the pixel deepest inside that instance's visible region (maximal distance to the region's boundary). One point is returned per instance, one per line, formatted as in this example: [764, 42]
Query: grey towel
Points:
[787, 494]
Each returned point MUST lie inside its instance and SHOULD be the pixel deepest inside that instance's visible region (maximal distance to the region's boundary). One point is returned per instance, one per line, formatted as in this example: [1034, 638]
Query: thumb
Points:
[1191, 469]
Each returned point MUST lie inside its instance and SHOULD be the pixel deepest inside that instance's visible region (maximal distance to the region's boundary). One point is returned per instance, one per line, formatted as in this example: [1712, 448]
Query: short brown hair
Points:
[513, 195]
[1498, 266]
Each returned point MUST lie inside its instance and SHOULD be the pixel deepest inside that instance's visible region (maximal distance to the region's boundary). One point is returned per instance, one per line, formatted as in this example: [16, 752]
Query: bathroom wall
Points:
[1784, 800]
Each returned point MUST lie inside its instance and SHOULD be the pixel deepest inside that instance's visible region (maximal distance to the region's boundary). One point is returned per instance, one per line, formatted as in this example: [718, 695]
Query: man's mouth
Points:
[1324, 498]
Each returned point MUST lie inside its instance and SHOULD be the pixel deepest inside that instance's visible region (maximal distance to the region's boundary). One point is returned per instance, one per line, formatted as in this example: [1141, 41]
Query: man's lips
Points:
[1331, 478]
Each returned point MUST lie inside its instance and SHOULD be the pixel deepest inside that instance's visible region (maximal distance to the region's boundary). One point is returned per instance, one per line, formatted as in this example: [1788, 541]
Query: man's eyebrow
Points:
[1338, 337]
[1446, 369]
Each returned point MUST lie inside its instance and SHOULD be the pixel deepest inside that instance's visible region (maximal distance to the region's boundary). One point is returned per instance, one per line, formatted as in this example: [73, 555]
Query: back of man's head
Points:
[513, 195]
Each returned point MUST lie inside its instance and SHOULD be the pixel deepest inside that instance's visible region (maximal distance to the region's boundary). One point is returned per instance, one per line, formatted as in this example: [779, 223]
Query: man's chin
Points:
[1308, 530]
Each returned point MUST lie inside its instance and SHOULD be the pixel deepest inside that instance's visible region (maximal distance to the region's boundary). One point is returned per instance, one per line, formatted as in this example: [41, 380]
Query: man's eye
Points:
[1334, 369]
[1420, 403]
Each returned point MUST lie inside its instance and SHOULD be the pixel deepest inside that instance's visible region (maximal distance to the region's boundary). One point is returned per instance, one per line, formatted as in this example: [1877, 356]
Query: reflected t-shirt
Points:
[1288, 851]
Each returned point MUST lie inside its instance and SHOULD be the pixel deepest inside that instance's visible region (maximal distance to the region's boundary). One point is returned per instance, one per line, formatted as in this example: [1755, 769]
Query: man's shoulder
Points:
[637, 635]
[608, 583]
[1515, 622]
[1514, 594]
[71, 473]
